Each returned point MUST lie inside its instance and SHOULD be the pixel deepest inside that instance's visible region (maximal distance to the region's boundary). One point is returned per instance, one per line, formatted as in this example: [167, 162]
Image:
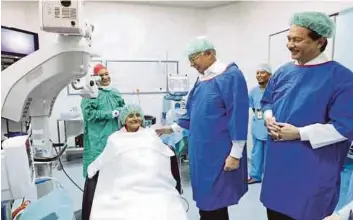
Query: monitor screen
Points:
[18, 42]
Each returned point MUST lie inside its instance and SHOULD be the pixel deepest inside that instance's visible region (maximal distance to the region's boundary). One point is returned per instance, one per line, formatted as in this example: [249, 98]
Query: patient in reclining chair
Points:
[136, 179]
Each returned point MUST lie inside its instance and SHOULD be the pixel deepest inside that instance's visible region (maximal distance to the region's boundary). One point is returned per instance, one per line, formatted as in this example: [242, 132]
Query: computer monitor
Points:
[17, 42]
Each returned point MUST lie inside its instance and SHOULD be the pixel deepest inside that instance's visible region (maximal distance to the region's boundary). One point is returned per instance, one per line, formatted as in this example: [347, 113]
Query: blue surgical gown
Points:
[258, 128]
[217, 114]
[300, 181]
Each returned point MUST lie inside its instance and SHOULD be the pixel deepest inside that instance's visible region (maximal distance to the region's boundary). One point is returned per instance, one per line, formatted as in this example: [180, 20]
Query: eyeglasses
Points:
[194, 57]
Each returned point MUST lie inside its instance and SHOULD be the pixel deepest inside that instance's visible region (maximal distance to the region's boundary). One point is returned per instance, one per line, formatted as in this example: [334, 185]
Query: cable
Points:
[179, 168]
[187, 203]
[20, 209]
[46, 159]
[62, 166]
[58, 155]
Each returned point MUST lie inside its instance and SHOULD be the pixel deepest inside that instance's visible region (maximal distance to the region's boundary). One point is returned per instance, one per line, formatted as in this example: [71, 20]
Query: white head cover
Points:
[264, 67]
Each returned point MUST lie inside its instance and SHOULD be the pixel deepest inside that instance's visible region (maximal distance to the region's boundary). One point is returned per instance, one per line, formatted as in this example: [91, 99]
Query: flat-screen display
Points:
[18, 42]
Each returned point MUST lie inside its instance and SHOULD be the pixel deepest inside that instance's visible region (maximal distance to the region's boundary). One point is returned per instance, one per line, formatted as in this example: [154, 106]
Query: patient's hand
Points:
[162, 131]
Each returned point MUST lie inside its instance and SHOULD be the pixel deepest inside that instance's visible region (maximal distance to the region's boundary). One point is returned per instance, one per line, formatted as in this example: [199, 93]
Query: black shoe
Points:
[253, 181]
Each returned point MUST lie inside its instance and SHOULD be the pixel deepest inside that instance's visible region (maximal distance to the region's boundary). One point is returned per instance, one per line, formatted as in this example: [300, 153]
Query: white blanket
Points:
[135, 180]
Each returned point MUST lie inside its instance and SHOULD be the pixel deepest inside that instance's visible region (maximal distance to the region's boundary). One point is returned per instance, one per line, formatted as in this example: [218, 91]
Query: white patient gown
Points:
[135, 180]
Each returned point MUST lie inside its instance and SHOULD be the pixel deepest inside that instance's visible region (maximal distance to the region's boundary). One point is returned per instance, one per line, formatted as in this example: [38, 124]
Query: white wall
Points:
[241, 31]
[134, 32]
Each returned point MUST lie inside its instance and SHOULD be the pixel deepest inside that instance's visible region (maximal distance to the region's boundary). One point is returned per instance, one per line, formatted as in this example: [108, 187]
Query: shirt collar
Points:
[321, 58]
[215, 69]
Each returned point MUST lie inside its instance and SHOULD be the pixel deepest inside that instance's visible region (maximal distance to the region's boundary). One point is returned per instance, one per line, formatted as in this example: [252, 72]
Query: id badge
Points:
[259, 115]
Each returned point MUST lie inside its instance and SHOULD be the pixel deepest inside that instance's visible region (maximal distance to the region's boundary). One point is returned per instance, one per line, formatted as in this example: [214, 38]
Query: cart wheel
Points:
[68, 158]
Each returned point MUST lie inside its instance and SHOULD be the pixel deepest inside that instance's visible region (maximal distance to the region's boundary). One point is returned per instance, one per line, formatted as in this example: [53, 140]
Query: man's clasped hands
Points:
[281, 131]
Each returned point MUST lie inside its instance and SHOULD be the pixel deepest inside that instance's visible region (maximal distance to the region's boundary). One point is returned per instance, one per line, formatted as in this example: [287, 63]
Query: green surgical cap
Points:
[130, 109]
[200, 44]
[264, 67]
[315, 21]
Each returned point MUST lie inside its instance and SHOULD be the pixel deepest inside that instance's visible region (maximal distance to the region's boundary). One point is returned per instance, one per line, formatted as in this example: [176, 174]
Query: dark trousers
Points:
[88, 195]
[175, 172]
[273, 215]
[219, 214]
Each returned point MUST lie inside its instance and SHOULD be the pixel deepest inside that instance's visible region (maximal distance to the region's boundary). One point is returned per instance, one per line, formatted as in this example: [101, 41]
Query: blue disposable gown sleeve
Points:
[341, 108]
[184, 121]
[234, 93]
[266, 100]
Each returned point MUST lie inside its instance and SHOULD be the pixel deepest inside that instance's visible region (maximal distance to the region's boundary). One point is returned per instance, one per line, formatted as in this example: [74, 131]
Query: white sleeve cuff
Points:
[304, 133]
[176, 128]
[268, 114]
[237, 149]
[320, 135]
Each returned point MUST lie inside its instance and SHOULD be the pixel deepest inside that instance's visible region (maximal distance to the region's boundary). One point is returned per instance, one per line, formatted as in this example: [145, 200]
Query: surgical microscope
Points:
[174, 102]
[29, 89]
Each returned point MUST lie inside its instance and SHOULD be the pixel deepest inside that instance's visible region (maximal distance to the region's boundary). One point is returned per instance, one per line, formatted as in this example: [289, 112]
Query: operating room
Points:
[142, 46]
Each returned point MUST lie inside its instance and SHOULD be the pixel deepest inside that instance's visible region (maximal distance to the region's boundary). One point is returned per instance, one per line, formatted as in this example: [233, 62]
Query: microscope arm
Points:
[30, 86]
